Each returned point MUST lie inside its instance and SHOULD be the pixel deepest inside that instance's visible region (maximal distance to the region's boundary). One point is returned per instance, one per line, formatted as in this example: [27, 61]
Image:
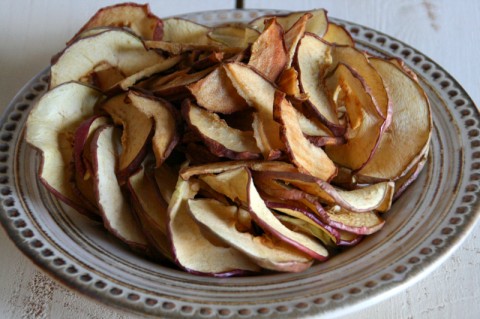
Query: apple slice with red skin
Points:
[192, 251]
[166, 119]
[318, 24]
[180, 30]
[50, 128]
[365, 123]
[358, 223]
[259, 93]
[238, 186]
[268, 53]
[372, 197]
[403, 182]
[337, 34]
[358, 61]
[115, 48]
[151, 211]
[82, 182]
[307, 157]
[137, 130]
[117, 216]
[263, 250]
[404, 141]
[136, 17]
[216, 93]
[216, 168]
[312, 60]
[221, 139]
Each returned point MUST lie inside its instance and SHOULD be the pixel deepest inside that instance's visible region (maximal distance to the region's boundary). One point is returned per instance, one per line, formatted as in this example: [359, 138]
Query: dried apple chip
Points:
[402, 144]
[307, 157]
[221, 139]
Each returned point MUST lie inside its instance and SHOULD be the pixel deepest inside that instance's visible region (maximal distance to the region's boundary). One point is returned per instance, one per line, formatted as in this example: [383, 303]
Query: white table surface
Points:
[445, 30]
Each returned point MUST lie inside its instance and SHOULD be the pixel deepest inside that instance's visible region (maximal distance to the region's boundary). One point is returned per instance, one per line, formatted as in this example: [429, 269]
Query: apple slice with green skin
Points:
[221, 139]
[136, 17]
[166, 119]
[312, 59]
[318, 24]
[403, 143]
[50, 128]
[268, 53]
[365, 123]
[216, 168]
[337, 34]
[238, 185]
[259, 93]
[117, 48]
[234, 36]
[151, 211]
[307, 157]
[137, 130]
[216, 93]
[263, 250]
[117, 216]
[358, 223]
[192, 251]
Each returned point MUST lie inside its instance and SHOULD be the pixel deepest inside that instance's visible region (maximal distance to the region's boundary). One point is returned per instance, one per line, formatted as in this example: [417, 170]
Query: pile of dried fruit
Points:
[230, 149]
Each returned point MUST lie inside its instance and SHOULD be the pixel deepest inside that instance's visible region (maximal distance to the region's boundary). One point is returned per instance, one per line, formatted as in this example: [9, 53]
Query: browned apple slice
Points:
[137, 129]
[307, 157]
[259, 93]
[372, 197]
[293, 36]
[185, 31]
[365, 123]
[402, 144]
[136, 17]
[166, 119]
[238, 186]
[312, 60]
[264, 250]
[215, 168]
[359, 62]
[151, 211]
[82, 137]
[216, 93]
[221, 139]
[358, 223]
[50, 128]
[338, 35]
[166, 179]
[116, 48]
[175, 87]
[317, 24]
[115, 210]
[131, 80]
[192, 251]
[268, 53]
[82, 159]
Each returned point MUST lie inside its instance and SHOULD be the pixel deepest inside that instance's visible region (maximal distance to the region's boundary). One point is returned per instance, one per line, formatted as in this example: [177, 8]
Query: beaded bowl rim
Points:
[66, 271]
